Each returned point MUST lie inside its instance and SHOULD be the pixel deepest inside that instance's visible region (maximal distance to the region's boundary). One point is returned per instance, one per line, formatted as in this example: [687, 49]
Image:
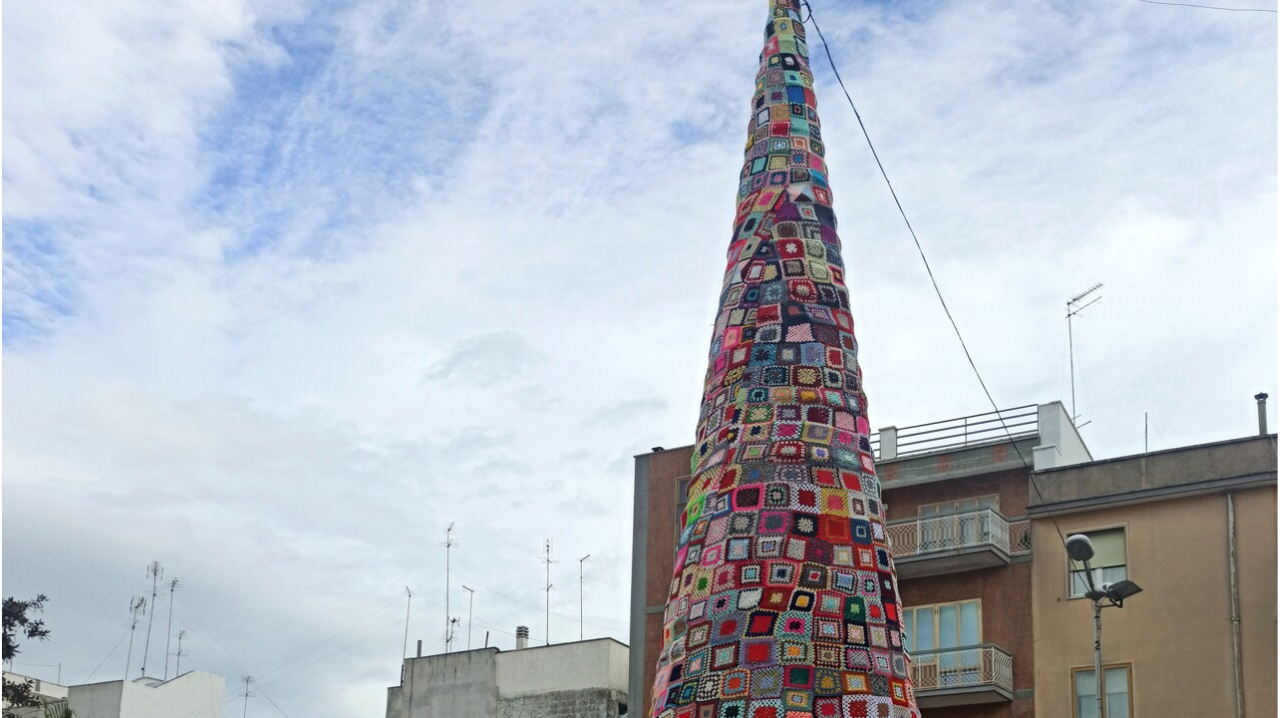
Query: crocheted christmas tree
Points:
[784, 601]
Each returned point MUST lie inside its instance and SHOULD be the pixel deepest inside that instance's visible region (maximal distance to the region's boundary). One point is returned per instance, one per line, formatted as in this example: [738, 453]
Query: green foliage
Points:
[17, 623]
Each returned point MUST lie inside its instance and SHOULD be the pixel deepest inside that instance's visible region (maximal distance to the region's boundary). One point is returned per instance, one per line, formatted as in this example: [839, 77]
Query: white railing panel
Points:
[962, 668]
[942, 533]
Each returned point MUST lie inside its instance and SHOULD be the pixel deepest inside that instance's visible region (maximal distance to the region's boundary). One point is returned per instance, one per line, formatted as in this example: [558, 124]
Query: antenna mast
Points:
[404, 650]
[1073, 308]
[177, 668]
[581, 612]
[155, 572]
[247, 681]
[448, 544]
[546, 558]
[471, 602]
[168, 634]
[137, 607]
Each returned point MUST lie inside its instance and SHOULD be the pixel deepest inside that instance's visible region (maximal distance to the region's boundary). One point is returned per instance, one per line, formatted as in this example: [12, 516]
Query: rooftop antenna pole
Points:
[1144, 433]
[546, 558]
[404, 650]
[449, 543]
[471, 602]
[247, 694]
[1073, 308]
[580, 603]
[453, 625]
[168, 634]
[177, 668]
[137, 607]
[156, 572]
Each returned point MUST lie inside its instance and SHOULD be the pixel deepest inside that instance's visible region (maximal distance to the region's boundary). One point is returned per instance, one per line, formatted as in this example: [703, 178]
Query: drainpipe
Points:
[1236, 659]
[1262, 413]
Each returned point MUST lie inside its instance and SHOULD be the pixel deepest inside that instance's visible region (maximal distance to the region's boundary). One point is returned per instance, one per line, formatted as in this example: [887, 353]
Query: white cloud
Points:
[238, 239]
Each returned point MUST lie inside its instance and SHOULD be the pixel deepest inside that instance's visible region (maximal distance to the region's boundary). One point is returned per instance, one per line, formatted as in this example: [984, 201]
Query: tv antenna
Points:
[448, 544]
[177, 668]
[155, 572]
[453, 625]
[1074, 307]
[248, 680]
[137, 607]
[174, 585]
[546, 558]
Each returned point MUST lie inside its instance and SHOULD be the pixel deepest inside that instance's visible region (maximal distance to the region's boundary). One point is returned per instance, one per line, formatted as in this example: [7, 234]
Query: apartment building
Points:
[1195, 528]
[956, 497]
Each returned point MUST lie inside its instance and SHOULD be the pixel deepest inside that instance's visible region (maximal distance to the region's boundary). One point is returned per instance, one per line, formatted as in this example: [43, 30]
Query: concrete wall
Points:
[600, 663]
[1204, 467]
[585, 679]
[452, 685]
[1060, 442]
[45, 690]
[582, 703]
[195, 694]
[1177, 633]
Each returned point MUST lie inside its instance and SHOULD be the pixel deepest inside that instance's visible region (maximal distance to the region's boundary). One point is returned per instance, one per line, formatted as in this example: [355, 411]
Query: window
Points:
[1108, 562]
[942, 626]
[948, 508]
[932, 634]
[1116, 701]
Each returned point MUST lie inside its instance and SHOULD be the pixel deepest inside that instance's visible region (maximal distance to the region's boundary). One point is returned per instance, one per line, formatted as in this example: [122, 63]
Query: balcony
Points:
[960, 542]
[962, 676]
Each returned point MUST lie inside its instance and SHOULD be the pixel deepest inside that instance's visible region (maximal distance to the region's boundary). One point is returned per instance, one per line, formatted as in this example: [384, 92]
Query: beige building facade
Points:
[1195, 528]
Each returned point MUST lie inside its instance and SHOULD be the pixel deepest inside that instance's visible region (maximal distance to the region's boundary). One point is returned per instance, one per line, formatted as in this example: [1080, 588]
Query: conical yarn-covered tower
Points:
[784, 601]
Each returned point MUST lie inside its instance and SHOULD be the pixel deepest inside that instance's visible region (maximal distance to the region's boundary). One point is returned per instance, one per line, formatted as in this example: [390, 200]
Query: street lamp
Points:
[1080, 548]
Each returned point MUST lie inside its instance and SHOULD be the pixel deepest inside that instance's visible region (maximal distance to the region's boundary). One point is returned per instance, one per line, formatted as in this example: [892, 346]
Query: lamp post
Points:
[580, 604]
[1080, 548]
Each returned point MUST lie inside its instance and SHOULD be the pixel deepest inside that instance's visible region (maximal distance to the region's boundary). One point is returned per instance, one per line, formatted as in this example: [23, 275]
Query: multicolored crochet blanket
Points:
[784, 601]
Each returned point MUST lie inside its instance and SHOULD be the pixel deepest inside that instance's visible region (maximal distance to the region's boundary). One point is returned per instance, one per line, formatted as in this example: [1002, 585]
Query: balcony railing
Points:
[969, 667]
[1017, 423]
[918, 537]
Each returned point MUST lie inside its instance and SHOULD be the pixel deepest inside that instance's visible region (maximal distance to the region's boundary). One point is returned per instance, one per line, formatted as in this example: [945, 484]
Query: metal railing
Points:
[916, 537]
[1020, 422]
[971, 666]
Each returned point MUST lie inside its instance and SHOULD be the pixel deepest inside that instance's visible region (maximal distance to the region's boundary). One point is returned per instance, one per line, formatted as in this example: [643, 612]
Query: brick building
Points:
[956, 496]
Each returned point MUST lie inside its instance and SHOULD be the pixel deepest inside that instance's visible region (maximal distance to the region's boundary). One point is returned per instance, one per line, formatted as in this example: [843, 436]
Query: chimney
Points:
[522, 637]
[1262, 413]
[419, 648]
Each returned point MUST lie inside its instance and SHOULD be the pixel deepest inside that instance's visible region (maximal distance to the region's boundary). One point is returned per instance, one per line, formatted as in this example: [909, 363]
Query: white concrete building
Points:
[585, 679]
[194, 694]
[47, 691]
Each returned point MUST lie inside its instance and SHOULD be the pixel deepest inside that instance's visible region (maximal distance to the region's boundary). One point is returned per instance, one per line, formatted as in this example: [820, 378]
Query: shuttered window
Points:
[1108, 563]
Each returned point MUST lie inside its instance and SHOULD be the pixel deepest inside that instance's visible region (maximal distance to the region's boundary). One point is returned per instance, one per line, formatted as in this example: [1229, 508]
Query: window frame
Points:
[920, 508]
[935, 606]
[1124, 529]
[1102, 682]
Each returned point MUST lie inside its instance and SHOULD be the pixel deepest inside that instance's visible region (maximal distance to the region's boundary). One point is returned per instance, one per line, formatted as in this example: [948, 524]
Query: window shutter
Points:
[1108, 548]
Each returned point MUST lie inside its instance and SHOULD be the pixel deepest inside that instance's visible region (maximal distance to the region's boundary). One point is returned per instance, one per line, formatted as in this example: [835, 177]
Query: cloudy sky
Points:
[289, 286]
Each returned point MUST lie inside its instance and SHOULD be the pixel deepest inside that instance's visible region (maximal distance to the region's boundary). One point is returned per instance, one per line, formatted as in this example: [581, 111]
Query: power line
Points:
[1208, 7]
[1030, 474]
[109, 654]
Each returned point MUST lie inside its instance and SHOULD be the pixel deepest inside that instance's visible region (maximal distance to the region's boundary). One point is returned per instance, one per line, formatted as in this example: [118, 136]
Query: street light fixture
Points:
[1080, 548]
